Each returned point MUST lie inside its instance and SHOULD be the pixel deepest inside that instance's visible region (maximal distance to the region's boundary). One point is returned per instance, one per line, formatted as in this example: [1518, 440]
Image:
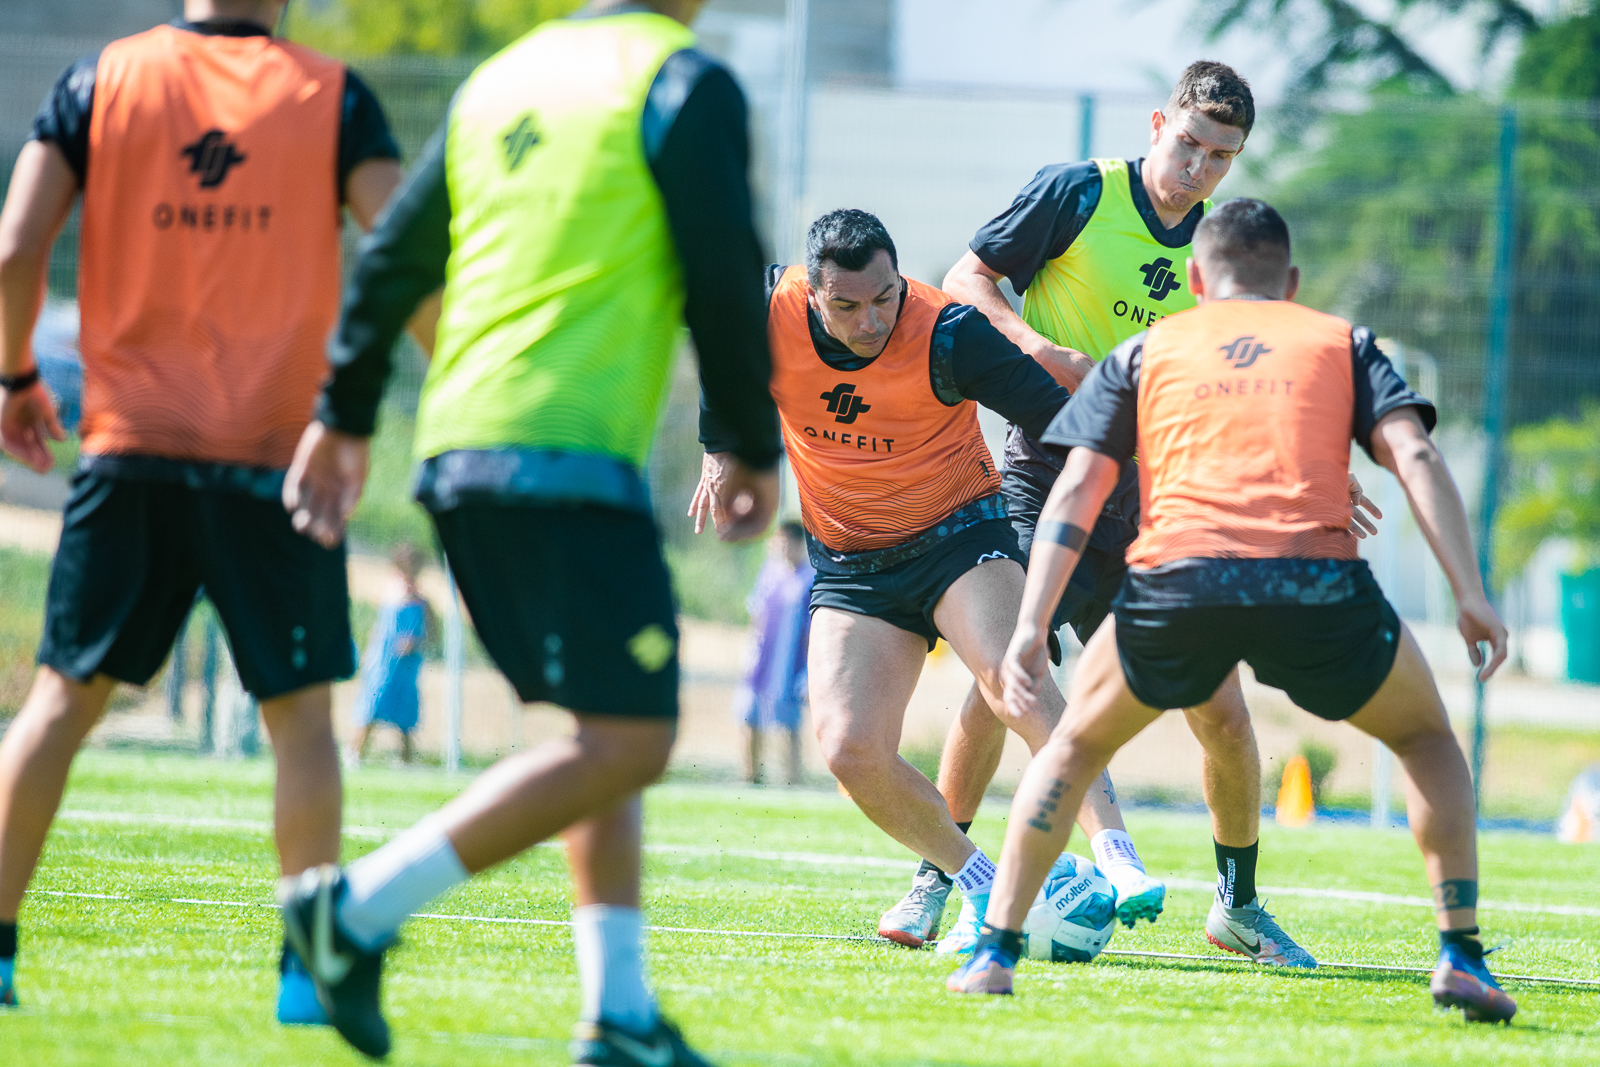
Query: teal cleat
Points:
[8, 985]
[1460, 980]
[963, 936]
[1139, 896]
[297, 993]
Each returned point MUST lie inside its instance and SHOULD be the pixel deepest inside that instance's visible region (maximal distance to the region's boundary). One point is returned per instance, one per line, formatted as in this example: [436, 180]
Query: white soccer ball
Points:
[1074, 915]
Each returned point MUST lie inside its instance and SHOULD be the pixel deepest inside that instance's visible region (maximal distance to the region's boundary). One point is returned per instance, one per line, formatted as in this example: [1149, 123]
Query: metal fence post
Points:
[791, 183]
[1494, 400]
[1085, 125]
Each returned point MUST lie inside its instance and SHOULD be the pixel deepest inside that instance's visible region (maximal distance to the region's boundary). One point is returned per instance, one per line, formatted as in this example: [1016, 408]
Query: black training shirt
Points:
[63, 118]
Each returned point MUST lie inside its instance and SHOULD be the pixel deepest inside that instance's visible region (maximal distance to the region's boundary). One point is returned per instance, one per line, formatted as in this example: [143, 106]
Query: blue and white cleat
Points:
[963, 936]
[993, 965]
[8, 986]
[297, 993]
[347, 977]
[1139, 896]
[1460, 980]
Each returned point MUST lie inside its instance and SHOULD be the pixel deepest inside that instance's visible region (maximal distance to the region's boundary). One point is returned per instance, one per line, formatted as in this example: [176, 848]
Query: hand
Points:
[1023, 671]
[1360, 525]
[324, 482]
[740, 502]
[1477, 621]
[1067, 366]
[27, 418]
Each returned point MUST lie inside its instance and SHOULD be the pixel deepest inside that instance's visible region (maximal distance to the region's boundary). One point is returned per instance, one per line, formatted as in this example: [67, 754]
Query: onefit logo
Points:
[1158, 278]
[211, 157]
[520, 141]
[843, 404]
[1242, 352]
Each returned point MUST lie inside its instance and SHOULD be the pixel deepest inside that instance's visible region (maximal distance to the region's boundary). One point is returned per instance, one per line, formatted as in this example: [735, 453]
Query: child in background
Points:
[393, 660]
[774, 685]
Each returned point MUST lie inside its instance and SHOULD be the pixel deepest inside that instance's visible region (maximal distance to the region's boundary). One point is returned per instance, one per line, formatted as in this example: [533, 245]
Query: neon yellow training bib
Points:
[1114, 280]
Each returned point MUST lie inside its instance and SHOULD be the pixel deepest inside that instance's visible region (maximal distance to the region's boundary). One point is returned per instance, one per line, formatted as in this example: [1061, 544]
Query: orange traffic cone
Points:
[1294, 796]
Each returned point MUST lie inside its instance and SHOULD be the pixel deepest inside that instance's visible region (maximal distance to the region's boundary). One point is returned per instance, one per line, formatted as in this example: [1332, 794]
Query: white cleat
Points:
[963, 936]
[1139, 896]
[915, 920]
[1250, 931]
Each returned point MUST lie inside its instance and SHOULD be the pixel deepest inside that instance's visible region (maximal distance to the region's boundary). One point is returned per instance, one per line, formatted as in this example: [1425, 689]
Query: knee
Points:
[61, 709]
[850, 757]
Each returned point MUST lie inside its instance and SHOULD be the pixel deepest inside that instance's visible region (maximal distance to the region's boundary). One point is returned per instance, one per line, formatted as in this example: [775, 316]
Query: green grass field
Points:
[137, 975]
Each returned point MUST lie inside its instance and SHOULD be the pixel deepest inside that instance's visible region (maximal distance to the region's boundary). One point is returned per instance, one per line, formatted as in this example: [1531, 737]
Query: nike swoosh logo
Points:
[1253, 948]
[659, 1055]
[331, 966]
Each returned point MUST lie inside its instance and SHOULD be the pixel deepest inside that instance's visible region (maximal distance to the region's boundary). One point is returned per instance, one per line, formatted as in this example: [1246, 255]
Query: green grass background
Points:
[147, 980]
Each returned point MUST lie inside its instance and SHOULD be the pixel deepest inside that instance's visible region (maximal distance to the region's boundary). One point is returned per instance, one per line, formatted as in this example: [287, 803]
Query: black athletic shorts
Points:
[572, 603]
[1330, 658]
[1097, 577]
[906, 594]
[133, 555]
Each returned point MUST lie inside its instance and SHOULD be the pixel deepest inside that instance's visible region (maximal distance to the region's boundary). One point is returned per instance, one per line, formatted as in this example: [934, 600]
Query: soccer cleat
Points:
[1250, 931]
[297, 993]
[963, 936]
[915, 920]
[993, 964]
[1460, 980]
[346, 976]
[1139, 896]
[603, 1045]
[8, 987]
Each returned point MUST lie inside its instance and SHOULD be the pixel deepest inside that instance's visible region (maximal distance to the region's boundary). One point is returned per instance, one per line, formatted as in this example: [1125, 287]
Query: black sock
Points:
[8, 940]
[1236, 874]
[927, 866]
[1466, 940]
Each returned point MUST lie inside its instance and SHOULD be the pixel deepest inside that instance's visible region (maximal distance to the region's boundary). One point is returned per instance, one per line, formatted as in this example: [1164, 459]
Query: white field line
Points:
[876, 862]
[776, 935]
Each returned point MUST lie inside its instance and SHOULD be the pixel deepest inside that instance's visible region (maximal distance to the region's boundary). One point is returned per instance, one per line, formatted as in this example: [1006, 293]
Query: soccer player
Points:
[1241, 412]
[877, 379]
[587, 195]
[212, 159]
[1097, 251]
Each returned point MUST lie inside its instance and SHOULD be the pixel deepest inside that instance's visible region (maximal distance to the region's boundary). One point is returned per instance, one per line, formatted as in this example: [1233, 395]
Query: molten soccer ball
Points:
[1074, 915]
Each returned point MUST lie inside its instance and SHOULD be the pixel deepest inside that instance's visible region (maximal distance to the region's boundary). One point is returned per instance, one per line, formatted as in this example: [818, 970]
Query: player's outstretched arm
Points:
[1402, 445]
[971, 281]
[1064, 524]
[42, 188]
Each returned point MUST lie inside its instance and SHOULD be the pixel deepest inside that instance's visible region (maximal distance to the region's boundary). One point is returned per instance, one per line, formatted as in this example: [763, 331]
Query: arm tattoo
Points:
[1455, 893]
[1062, 533]
[1047, 807]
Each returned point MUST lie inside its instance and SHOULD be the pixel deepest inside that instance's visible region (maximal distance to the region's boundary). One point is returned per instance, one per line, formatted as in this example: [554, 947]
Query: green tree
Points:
[420, 27]
[1556, 471]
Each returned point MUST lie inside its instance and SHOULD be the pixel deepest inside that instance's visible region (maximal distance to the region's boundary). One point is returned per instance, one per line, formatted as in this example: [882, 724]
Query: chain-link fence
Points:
[1467, 234]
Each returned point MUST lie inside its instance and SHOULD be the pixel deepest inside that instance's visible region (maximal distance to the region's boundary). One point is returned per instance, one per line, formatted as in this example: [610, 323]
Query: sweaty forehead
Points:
[857, 286]
[1207, 130]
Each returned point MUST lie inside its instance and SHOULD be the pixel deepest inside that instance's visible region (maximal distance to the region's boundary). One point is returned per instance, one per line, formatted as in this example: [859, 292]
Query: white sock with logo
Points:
[387, 885]
[610, 947]
[1116, 857]
[976, 876]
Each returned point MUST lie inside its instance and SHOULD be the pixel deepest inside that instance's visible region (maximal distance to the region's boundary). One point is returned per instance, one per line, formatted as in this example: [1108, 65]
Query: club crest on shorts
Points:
[651, 648]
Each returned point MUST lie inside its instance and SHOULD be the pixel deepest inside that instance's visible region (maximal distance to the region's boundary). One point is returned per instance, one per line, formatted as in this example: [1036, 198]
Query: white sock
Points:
[1112, 849]
[610, 946]
[976, 875]
[386, 886]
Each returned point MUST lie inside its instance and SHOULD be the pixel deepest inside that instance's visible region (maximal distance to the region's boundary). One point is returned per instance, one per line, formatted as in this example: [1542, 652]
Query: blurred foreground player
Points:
[587, 195]
[878, 379]
[1241, 412]
[213, 159]
[1096, 250]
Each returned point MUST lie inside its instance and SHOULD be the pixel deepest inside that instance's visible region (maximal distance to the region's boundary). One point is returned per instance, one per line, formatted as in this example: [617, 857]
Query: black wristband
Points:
[11, 383]
[1062, 533]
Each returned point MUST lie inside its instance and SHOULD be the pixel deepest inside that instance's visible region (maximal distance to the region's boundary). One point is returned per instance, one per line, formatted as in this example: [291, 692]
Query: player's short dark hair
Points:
[1249, 236]
[847, 238]
[1217, 92]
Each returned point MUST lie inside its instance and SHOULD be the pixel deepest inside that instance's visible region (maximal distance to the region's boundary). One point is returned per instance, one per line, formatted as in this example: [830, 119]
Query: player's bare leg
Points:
[35, 757]
[308, 797]
[1407, 715]
[1231, 779]
[971, 755]
[862, 674]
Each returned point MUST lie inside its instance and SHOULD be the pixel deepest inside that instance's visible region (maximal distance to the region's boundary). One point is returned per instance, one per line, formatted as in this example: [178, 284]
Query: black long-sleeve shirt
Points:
[968, 359]
[695, 133]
